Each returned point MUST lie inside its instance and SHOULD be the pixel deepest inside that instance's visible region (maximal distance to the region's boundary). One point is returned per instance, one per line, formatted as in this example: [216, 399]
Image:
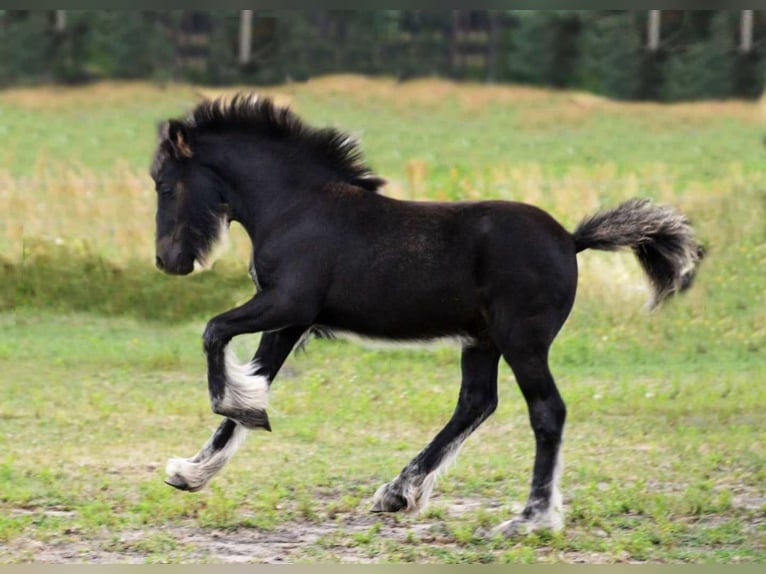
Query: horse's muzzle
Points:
[174, 265]
[170, 258]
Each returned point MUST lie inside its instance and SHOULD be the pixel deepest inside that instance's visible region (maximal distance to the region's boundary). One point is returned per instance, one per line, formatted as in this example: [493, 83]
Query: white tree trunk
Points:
[653, 33]
[746, 31]
[245, 36]
[60, 23]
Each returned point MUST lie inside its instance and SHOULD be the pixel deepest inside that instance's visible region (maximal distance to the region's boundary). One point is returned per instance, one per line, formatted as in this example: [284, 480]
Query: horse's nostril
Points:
[159, 263]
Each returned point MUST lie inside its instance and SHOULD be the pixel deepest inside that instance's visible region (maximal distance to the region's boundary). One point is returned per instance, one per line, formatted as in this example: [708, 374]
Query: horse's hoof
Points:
[382, 506]
[387, 501]
[178, 482]
[511, 528]
[255, 419]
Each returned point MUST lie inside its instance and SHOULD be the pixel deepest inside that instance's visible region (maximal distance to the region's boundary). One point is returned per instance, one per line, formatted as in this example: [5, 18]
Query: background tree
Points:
[674, 55]
[611, 55]
[705, 68]
[25, 45]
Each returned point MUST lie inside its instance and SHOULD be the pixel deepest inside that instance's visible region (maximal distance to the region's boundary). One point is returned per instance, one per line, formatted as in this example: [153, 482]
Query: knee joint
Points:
[480, 405]
[212, 338]
[547, 419]
[490, 404]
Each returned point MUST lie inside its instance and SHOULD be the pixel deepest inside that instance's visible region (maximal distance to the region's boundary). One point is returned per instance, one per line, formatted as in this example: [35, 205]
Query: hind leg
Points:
[547, 414]
[194, 473]
[410, 490]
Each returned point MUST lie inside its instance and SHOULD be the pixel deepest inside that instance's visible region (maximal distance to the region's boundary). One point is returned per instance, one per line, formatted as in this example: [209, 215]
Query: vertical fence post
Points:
[653, 32]
[60, 21]
[245, 36]
[746, 31]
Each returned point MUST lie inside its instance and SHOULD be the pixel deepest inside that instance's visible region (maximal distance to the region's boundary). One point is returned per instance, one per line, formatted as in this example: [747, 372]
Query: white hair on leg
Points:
[552, 517]
[417, 489]
[417, 493]
[244, 390]
[423, 492]
[194, 473]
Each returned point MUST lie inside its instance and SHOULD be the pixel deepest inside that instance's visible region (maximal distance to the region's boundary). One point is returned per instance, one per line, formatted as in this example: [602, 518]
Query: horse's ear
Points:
[177, 136]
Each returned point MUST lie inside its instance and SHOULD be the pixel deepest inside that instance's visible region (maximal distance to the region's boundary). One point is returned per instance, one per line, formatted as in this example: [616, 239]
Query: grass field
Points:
[103, 374]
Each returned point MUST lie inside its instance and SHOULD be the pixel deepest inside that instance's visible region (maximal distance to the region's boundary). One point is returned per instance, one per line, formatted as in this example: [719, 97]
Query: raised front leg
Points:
[239, 391]
[409, 492]
[194, 473]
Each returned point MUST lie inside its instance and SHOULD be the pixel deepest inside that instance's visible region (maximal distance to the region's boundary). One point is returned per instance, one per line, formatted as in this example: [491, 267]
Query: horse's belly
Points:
[414, 318]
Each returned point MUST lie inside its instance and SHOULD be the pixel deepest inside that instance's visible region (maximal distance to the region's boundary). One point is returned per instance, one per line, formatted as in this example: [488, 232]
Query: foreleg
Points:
[410, 491]
[195, 472]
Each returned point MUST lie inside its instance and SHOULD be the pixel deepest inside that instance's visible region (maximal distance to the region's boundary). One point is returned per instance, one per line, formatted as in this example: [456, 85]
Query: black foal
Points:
[331, 254]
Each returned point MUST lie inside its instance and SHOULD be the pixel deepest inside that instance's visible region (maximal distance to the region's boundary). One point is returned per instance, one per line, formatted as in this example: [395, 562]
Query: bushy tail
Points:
[660, 236]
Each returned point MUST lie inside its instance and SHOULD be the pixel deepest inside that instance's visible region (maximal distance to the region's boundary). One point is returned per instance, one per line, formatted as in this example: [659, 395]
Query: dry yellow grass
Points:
[112, 214]
[424, 91]
[103, 93]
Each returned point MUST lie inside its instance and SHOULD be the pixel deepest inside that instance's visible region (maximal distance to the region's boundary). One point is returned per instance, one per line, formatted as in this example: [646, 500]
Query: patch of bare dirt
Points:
[331, 538]
[344, 537]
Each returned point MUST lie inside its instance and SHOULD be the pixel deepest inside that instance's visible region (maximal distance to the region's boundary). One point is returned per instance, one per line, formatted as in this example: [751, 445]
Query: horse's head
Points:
[191, 209]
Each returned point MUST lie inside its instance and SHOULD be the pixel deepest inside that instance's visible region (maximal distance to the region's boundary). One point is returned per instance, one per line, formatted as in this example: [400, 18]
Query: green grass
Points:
[103, 372]
[662, 464]
[438, 124]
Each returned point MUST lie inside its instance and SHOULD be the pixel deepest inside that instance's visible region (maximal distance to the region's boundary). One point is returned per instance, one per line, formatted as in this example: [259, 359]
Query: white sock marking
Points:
[417, 490]
[552, 517]
[556, 507]
[198, 470]
[244, 390]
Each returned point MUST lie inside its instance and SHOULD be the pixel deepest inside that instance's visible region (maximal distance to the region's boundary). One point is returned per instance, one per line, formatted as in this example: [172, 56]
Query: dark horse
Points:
[330, 254]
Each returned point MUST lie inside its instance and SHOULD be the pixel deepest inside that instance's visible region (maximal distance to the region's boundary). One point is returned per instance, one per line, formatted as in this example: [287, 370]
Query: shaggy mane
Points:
[259, 115]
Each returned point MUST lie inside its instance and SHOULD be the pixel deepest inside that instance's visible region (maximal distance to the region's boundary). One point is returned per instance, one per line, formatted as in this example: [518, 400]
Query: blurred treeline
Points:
[655, 55]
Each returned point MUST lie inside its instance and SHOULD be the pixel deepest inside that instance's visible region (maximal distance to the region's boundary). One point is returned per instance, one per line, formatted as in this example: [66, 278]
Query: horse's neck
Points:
[262, 197]
[263, 205]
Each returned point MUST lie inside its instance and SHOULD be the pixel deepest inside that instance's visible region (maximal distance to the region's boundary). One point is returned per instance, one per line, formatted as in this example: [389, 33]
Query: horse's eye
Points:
[165, 190]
